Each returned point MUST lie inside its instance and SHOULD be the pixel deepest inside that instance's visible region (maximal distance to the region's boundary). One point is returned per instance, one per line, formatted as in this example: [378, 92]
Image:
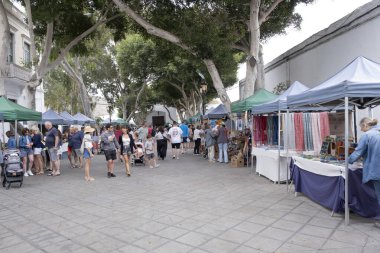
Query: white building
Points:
[19, 58]
[324, 53]
[159, 116]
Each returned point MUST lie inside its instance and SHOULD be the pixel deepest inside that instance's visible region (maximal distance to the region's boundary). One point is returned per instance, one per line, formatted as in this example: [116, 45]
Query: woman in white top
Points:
[87, 152]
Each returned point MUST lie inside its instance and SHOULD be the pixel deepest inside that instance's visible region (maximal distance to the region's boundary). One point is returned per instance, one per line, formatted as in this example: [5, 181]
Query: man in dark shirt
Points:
[76, 141]
[52, 143]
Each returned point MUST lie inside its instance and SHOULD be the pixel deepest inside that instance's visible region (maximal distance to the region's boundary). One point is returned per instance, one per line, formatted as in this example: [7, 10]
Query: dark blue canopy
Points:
[219, 112]
[54, 118]
[68, 116]
[82, 119]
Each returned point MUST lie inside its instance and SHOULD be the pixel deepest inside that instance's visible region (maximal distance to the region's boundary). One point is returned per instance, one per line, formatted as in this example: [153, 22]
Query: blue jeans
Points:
[376, 185]
[223, 151]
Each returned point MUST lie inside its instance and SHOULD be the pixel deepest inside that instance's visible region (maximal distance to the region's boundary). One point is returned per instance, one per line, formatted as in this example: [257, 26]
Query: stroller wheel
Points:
[8, 186]
[20, 184]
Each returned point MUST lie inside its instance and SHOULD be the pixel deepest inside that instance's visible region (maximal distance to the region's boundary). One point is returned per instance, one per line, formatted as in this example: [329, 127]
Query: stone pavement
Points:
[186, 205]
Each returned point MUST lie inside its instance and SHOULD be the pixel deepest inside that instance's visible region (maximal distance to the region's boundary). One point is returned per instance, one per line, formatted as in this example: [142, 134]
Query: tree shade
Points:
[12, 111]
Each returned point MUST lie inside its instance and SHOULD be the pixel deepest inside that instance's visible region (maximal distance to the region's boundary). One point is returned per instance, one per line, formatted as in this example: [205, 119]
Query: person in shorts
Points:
[37, 150]
[76, 141]
[110, 147]
[87, 152]
[127, 146]
[52, 144]
[185, 136]
[26, 152]
[149, 152]
[175, 134]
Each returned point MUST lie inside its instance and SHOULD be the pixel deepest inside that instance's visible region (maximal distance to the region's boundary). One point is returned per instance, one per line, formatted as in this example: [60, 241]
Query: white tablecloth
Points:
[267, 164]
[325, 169]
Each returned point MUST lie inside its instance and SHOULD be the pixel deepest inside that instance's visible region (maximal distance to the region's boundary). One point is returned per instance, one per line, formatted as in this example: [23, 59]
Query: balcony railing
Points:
[16, 71]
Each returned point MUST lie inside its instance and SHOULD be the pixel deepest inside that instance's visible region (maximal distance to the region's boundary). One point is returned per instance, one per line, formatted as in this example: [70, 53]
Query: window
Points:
[26, 53]
[11, 49]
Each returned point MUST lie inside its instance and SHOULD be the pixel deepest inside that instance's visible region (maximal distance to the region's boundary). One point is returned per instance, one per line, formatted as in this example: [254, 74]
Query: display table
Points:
[324, 184]
[267, 163]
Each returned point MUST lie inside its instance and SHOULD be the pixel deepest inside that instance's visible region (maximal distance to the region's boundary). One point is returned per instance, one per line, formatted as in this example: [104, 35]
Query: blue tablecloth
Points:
[329, 191]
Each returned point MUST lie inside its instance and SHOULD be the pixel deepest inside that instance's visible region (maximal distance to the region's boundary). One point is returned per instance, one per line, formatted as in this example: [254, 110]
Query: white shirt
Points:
[197, 134]
[87, 141]
[149, 147]
[175, 135]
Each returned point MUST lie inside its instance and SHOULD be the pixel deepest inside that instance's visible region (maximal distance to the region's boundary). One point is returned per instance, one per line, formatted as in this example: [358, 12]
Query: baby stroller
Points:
[13, 172]
[138, 155]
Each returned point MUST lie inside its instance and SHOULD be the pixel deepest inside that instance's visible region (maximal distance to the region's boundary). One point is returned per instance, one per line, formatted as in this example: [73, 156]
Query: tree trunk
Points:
[170, 116]
[4, 44]
[76, 75]
[218, 84]
[254, 27]
[260, 80]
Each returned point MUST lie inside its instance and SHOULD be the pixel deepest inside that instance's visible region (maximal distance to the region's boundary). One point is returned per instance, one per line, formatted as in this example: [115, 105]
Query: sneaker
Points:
[173, 156]
[26, 174]
[157, 165]
[113, 175]
[177, 158]
[30, 173]
[150, 167]
[109, 174]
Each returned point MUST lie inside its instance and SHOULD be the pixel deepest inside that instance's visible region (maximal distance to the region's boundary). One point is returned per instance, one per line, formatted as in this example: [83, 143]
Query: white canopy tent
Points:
[357, 84]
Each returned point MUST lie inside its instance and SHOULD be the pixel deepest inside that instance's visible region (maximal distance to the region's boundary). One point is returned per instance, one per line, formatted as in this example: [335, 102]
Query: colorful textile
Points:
[299, 132]
[324, 124]
[315, 123]
[308, 132]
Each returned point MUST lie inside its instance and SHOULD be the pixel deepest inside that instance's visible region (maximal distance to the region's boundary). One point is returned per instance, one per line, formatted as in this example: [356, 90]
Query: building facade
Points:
[326, 52]
[159, 116]
[19, 58]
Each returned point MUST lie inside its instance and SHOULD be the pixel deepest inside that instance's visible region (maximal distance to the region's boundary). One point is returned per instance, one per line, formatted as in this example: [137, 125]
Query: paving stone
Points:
[264, 243]
[316, 231]
[236, 236]
[131, 249]
[355, 238]
[219, 246]
[250, 227]
[245, 249]
[287, 225]
[276, 233]
[172, 232]
[194, 239]
[172, 247]
[307, 241]
[150, 242]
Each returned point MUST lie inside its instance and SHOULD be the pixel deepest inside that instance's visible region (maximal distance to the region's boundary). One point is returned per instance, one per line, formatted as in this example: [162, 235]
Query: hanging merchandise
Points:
[325, 124]
[298, 129]
[308, 133]
[316, 126]
[291, 132]
[275, 130]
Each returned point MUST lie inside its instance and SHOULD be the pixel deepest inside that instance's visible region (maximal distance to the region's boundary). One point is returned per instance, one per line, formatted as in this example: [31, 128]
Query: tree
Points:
[264, 19]
[192, 15]
[4, 44]
[61, 93]
[57, 29]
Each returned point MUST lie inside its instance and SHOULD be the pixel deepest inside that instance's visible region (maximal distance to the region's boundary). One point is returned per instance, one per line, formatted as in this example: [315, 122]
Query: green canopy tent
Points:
[15, 112]
[260, 97]
[195, 118]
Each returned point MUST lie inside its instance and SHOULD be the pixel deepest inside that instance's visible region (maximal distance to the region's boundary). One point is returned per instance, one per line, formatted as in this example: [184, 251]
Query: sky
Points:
[316, 17]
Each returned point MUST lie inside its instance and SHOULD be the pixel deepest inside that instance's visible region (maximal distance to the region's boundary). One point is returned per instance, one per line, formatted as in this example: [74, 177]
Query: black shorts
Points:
[176, 145]
[110, 154]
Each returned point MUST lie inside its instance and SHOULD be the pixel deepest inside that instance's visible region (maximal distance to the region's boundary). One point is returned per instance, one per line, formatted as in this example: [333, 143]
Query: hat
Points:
[88, 129]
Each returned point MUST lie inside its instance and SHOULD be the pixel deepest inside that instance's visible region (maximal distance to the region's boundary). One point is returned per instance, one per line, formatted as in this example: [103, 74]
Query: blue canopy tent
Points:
[279, 103]
[358, 84]
[69, 117]
[54, 118]
[83, 119]
[219, 112]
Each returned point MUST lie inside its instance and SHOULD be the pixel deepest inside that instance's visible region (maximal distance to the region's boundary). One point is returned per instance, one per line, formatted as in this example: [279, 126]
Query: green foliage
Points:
[61, 93]
[280, 88]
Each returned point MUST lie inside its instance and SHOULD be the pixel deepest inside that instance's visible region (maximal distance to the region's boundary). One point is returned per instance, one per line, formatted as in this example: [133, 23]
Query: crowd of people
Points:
[40, 153]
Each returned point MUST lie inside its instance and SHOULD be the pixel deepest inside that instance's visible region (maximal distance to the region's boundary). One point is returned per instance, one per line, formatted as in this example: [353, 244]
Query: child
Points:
[11, 144]
[149, 151]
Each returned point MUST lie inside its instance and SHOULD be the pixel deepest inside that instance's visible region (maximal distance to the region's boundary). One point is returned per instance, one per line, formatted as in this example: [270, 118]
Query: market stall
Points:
[357, 84]
[55, 118]
[69, 117]
[267, 136]
[83, 119]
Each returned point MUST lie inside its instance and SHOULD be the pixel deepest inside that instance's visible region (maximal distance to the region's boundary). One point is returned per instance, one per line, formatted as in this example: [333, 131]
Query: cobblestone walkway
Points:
[186, 205]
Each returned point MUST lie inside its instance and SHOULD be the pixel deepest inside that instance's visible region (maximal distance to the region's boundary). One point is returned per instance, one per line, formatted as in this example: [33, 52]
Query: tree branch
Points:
[151, 29]
[170, 116]
[264, 15]
[136, 102]
[76, 40]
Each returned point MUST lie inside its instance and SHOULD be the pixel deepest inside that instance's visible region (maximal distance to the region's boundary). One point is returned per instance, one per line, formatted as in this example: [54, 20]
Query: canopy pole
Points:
[287, 148]
[355, 127]
[370, 112]
[3, 133]
[16, 136]
[279, 146]
[346, 208]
